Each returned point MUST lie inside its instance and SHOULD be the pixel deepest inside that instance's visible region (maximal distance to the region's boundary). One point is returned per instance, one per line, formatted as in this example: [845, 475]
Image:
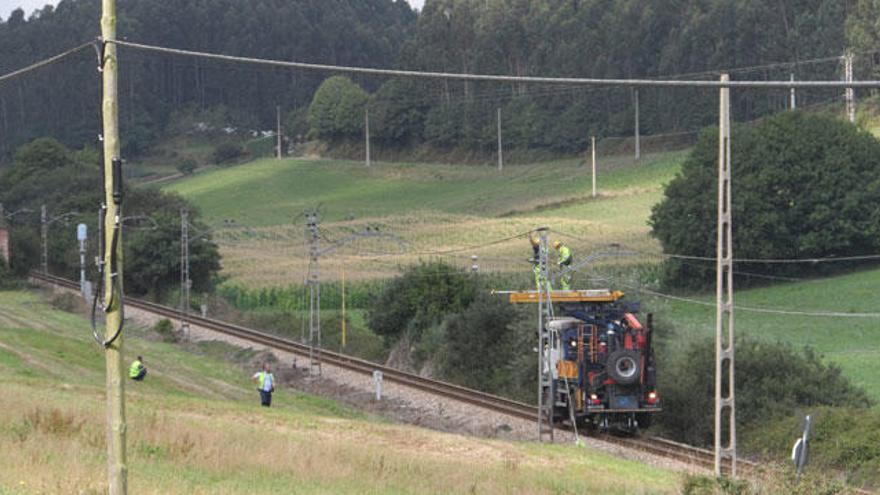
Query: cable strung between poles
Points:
[751, 309]
[502, 78]
[830, 259]
[43, 63]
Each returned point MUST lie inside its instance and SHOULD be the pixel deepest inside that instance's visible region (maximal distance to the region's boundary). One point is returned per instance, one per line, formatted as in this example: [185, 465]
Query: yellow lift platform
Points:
[558, 296]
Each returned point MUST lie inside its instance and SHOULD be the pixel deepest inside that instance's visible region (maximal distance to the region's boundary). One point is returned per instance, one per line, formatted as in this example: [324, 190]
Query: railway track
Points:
[657, 446]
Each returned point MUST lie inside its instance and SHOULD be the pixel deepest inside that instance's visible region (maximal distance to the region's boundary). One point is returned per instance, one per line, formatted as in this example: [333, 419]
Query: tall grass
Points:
[195, 427]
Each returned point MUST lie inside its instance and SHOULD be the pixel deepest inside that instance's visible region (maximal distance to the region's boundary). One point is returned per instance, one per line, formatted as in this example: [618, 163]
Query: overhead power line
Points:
[829, 259]
[502, 78]
[751, 309]
[769, 261]
[43, 63]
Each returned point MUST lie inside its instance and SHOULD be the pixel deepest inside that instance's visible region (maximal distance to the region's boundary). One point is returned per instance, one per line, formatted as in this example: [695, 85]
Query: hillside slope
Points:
[847, 341]
[194, 427]
[426, 208]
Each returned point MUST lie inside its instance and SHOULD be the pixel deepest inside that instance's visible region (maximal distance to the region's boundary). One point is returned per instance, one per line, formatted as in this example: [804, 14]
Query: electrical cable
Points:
[45, 62]
[752, 309]
[830, 259]
[583, 81]
[475, 247]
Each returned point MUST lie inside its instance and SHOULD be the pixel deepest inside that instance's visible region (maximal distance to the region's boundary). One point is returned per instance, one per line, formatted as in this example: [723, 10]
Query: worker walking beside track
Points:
[564, 261]
[265, 381]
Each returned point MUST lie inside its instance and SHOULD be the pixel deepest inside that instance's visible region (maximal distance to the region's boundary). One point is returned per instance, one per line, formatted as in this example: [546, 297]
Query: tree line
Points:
[585, 38]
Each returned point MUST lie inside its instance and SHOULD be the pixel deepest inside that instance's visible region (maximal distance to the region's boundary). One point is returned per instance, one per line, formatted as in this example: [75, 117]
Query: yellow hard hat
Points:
[556, 244]
[535, 241]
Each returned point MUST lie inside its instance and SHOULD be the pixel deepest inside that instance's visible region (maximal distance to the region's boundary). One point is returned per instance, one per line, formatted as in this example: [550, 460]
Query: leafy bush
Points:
[841, 439]
[398, 112]
[165, 329]
[478, 344]
[337, 109]
[187, 166]
[423, 296]
[695, 484]
[227, 152]
[7, 278]
[804, 186]
[773, 379]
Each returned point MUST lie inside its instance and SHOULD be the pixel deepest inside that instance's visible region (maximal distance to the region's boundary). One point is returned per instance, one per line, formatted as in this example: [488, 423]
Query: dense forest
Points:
[587, 38]
[63, 101]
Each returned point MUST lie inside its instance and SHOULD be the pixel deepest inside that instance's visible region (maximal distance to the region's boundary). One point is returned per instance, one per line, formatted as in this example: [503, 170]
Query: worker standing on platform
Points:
[536, 259]
[265, 381]
[564, 262]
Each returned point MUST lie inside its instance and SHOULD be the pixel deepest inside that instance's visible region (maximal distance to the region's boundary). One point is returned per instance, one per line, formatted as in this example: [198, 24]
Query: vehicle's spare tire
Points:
[624, 366]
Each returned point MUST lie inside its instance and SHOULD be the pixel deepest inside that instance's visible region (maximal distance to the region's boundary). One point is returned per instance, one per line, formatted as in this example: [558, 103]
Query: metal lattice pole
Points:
[724, 335]
[185, 283]
[314, 282]
[545, 374]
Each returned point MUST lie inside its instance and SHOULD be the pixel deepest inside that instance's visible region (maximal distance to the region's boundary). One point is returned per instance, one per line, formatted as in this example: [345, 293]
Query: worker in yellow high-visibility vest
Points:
[563, 261]
[137, 371]
[536, 261]
[265, 381]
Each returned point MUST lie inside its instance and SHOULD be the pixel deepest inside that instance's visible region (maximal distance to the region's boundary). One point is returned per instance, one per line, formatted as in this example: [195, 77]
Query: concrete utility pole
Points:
[792, 99]
[724, 335]
[44, 240]
[116, 459]
[593, 150]
[638, 137]
[500, 150]
[278, 152]
[850, 92]
[367, 134]
[185, 282]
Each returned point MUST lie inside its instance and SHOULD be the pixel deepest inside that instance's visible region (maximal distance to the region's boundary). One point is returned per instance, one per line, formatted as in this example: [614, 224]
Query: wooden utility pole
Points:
[500, 151]
[593, 149]
[724, 342]
[116, 459]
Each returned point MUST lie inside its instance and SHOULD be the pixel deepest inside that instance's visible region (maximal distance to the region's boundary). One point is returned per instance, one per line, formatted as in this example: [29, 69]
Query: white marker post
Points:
[377, 380]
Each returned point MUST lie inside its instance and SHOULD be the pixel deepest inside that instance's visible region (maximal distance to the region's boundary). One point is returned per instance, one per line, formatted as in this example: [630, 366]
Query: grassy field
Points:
[194, 427]
[427, 208]
[849, 342]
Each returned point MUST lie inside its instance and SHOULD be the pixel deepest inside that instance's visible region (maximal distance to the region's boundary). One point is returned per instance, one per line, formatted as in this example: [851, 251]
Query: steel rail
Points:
[653, 445]
[475, 397]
